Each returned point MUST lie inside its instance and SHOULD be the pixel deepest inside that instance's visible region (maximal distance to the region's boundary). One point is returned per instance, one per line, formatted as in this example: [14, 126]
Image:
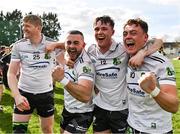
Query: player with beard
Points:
[78, 85]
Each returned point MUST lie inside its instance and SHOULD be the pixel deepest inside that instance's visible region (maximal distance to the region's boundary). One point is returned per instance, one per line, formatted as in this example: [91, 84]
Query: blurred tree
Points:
[11, 31]
[10, 27]
[1, 16]
[51, 26]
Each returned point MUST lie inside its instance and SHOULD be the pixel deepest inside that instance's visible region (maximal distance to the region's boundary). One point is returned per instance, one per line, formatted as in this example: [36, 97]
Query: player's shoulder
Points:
[23, 40]
[84, 57]
[91, 47]
[158, 57]
[20, 43]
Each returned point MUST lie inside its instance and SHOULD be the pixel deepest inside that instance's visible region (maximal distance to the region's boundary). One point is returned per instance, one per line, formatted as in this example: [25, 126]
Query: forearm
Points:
[80, 92]
[153, 47]
[13, 82]
[164, 94]
[137, 60]
[59, 45]
[167, 102]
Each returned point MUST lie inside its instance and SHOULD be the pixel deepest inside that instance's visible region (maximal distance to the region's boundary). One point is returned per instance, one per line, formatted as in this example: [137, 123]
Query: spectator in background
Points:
[3, 74]
[5, 65]
[1, 89]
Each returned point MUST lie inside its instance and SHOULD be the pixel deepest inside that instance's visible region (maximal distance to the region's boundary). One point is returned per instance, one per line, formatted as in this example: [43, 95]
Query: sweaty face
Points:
[74, 45]
[134, 38]
[30, 30]
[103, 33]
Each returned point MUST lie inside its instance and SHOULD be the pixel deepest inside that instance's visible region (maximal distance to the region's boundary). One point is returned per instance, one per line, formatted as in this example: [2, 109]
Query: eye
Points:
[133, 32]
[96, 29]
[76, 42]
[125, 34]
[68, 42]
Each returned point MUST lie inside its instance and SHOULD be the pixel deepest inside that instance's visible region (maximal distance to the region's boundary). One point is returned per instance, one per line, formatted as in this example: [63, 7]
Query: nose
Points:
[99, 31]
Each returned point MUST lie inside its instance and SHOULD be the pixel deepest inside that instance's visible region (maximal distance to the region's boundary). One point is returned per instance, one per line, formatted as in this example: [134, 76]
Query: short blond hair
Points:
[33, 19]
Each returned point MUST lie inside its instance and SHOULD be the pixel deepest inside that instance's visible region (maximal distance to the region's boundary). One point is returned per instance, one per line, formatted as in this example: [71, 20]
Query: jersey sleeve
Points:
[15, 55]
[166, 73]
[86, 71]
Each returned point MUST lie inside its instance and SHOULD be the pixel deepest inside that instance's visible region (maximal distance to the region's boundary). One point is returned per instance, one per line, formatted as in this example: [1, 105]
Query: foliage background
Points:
[11, 26]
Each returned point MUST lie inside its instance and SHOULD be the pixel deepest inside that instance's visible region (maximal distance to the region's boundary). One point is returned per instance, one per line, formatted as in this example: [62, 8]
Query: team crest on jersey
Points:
[86, 69]
[73, 72]
[116, 61]
[47, 56]
[170, 71]
[153, 125]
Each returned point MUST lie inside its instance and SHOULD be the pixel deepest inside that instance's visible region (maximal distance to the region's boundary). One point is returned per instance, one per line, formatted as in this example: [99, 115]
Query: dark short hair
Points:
[76, 32]
[138, 22]
[104, 20]
[33, 19]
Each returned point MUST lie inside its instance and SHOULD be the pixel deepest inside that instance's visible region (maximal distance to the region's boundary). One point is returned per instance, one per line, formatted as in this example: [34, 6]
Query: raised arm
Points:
[82, 90]
[165, 95]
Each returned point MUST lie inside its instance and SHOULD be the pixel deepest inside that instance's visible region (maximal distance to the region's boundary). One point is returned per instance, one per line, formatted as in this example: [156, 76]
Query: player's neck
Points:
[36, 40]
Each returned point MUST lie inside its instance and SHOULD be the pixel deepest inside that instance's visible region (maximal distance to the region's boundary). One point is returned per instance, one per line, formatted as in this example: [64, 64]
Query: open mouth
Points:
[130, 43]
[72, 51]
[100, 37]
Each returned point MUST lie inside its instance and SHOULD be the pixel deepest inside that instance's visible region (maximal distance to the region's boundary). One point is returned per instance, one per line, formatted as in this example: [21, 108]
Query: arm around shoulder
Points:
[151, 47]
[52, 46]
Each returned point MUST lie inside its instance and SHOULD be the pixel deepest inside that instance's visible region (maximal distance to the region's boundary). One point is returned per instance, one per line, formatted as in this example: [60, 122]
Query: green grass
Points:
[176, 117]
[34, 128]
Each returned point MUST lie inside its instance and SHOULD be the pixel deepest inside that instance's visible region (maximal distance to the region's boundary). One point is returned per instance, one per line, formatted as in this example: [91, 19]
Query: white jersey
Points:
[83, 69]
[145, 114]
[35, 73]
[110, 79]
